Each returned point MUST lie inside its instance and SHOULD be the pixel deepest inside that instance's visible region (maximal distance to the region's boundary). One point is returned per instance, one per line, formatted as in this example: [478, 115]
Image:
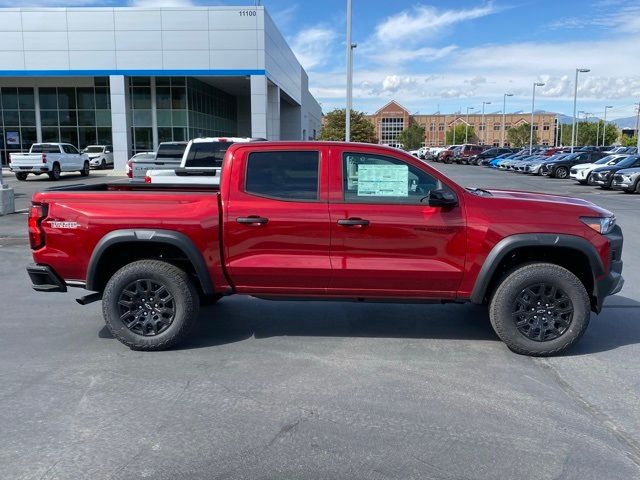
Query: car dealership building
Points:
[135, 77]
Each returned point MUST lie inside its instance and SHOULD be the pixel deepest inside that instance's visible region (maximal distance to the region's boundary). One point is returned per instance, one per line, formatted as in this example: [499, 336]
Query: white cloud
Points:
[284, 16]
[396, 56]
[313, 46]
[393, 83]
[425, 20]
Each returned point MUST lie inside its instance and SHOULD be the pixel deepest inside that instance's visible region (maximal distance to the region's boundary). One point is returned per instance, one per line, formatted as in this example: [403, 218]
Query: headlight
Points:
[601, 225]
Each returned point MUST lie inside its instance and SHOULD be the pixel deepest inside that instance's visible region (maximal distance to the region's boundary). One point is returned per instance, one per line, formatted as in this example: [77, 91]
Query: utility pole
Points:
[604, 127]
[533, 104]
[483, 127]
[638, 129]
[466, 127]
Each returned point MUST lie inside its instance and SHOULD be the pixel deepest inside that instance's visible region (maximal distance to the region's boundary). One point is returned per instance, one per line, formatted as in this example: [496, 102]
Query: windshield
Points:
[206, 154]
[609, 160]
[171, 150]
[628, 161]
[97, 149]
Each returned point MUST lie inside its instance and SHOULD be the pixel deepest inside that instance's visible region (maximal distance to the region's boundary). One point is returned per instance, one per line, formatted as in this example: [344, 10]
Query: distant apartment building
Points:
[391, 119]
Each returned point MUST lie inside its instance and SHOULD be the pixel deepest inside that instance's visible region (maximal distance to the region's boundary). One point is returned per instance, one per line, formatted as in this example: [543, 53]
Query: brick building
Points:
[391, 119]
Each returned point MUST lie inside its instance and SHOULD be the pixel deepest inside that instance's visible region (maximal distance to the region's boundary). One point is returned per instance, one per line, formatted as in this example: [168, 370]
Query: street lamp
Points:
[533, 104]
[604, 127]
[483, 125]
[466, 127]
[504, 111]
[350, 47]
[574, 132]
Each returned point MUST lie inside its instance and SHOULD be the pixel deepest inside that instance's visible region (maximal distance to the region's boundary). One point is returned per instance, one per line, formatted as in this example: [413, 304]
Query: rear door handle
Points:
[252, 220]
[353, 222]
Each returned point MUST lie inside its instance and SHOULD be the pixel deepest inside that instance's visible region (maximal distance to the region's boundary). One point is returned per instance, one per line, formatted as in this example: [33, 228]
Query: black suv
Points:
[484, 157]
[603, 176]
[560, 168]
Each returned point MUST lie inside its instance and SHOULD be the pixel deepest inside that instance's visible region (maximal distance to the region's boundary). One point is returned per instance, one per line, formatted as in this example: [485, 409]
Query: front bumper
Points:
[611, 282]
[45, 279]
[579, 175]
[598, 179]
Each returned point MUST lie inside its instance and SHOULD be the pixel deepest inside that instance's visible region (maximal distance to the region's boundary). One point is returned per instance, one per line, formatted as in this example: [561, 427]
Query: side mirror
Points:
[442, 198]
[107, 151]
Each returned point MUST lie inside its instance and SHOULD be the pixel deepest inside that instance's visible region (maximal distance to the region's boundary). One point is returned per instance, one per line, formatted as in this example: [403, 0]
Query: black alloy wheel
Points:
[562, 172]
[146, 307]
[543, 312]
[103, 164]
[55, 172]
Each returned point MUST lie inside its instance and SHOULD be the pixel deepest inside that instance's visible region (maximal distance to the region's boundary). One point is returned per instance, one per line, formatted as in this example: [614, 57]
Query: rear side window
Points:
[206, 154]
[283, 175]
[45, 148]
[168, 150]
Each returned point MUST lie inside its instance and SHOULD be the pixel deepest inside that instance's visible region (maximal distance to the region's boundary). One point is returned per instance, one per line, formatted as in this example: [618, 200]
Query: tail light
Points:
[147, 179]
[37, 213]
[44, 158]
[129, 169]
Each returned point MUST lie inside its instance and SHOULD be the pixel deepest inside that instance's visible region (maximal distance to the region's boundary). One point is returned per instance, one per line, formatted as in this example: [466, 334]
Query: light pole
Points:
[533, 104]
[350, 47]
[466, 127]
[483, 128]
[574, 132]
[638, 128]
[604, 126]
[504, 111]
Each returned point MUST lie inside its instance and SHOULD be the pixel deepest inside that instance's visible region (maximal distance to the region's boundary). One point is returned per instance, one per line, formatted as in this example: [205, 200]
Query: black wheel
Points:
[540, 309]
[21, 176]
[638, 186]
[85, 170]
[54, 174]
[103, 164]
[562, 172]
[150, 305]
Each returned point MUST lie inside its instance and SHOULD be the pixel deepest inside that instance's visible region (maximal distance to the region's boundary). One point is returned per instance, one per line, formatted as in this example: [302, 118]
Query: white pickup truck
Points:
[167, 157]
[201, 162]
[49, 158]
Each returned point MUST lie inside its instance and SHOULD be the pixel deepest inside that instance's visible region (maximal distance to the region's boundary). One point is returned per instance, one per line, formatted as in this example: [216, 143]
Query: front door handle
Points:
[353, 222]
[252, 220]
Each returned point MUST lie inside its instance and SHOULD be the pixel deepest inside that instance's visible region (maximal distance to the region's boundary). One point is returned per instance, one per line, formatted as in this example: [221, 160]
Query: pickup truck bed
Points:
[327, 220]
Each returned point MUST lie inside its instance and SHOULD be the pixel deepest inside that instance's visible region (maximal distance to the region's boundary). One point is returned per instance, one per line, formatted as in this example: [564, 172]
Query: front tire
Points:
[561, 172]
[85, 170]
[103, 164]
[150, 305]
[21, 176]
[540, 309]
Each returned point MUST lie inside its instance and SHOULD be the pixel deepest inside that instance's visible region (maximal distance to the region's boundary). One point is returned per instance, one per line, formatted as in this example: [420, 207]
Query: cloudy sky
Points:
[442, 55]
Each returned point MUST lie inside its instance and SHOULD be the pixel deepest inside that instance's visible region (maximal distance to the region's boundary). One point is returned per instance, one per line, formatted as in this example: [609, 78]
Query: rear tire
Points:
[540, 309]
[54, 174]
[150, 305]
[21, 176]
[638, 186]
[85, 170]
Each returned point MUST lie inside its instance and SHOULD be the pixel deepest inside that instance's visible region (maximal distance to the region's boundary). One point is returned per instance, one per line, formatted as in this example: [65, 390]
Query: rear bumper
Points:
[45, 279]
[27, 169]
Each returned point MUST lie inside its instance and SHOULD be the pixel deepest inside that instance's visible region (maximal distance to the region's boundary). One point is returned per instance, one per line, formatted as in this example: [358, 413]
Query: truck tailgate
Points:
[22, 160]
[140, 168]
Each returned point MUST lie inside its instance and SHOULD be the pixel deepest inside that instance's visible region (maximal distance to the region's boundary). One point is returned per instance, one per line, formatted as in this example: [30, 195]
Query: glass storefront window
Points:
[68, 118]
[49, 118]
[86, 100]
[104, 136]
[142, 139]
[28, 136]
[87, 136]
[9, 98]
[142, 118]
[103, 118]
[69, 135]
[66, 98]
[50, 134]
[27, 117]
[165, 135]
[179, 118]
[141, 98]
[11, 118]
[102, 98]
[25, 99]
[48, 99]
[163, 98]
[86, 117]
[178, 98]
[164, 118]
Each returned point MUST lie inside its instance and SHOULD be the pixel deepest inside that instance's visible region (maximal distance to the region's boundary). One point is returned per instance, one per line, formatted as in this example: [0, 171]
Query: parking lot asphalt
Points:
[317, 389]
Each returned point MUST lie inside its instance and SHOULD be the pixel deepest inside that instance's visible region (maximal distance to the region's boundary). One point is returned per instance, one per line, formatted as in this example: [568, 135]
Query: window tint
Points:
[171, 150]
[283, 175]
[207, 154]
[379, 179]
[71, 149]
[45, 148]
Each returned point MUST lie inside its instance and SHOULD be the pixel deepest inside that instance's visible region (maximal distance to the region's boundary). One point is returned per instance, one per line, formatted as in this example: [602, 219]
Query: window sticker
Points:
[383, 180]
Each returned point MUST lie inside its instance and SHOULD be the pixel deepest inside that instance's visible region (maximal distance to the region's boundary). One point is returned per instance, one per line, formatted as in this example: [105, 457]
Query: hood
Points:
[582, 166]
[94, 155]
[627, 171]
[607, 168]
[547, 199]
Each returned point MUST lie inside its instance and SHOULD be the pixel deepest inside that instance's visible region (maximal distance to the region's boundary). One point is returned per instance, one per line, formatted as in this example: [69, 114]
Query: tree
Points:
[519, 136]
[361, 128]
[456, 135]
[411, 137]
[628, 141]
[587, 132]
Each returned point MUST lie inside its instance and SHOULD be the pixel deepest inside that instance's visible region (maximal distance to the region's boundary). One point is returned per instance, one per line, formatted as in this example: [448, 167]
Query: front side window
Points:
[369, 178]
[283, 175]
[206, 154]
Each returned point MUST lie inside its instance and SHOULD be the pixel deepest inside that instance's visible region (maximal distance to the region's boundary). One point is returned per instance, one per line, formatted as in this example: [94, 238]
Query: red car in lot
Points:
[320, 220]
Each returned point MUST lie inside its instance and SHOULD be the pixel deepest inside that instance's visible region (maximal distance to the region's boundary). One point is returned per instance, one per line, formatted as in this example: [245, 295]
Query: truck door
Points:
[276, 230]
[386, 240]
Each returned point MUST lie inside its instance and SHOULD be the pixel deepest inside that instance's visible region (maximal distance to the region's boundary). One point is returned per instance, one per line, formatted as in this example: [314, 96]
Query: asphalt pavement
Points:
[301, 390]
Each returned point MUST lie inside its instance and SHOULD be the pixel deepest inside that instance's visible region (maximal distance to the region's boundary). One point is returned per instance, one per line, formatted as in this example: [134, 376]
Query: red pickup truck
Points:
[327, 221]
